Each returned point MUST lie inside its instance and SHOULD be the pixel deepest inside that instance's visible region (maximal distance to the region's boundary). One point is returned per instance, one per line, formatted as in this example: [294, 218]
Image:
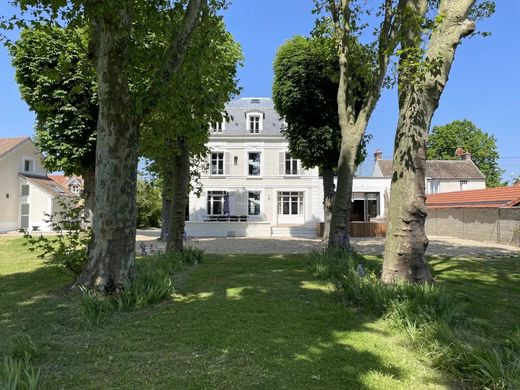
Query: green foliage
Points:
[68, 248]
[58, 82]
[22, 346]
[305, 94]
[432, 318]
[444, 140]
[149, 203]
[18, 374]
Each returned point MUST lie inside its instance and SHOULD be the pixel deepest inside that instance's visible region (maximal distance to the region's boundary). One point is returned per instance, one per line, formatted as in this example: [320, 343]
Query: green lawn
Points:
[236, 322]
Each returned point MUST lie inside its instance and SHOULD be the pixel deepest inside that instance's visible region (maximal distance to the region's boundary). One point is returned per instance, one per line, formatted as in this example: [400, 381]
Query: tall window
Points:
[254, 123]
[291, 165]
[290, 203]
[217, 163]
[28, 165]
[216, 202]
[254, 164]
[25, 190]
[434, 186]
[253, 203]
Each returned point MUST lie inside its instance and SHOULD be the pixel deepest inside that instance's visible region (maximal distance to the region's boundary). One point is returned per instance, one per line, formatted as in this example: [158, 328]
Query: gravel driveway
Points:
[439, 246]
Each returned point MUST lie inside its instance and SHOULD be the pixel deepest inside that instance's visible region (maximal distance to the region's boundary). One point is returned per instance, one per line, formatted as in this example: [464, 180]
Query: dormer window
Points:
[254, 123]
[27, 165]
[217, 127]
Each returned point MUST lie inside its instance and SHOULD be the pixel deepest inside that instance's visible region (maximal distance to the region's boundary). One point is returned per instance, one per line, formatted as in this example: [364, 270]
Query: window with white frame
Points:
[290, 203]
[253, 203]
[217, 127]
[291, 165]
[25, 190]
[434, 186]
[217, 163]
[253, 163]
[28, 165]
[463, 185]
[254, 123]
[74, 188]
[216, 202]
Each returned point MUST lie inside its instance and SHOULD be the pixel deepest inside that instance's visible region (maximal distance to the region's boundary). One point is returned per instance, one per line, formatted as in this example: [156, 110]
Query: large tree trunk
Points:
[328, 199]
[419, 96]
[406, 241]
[112, 250]
[180, 185]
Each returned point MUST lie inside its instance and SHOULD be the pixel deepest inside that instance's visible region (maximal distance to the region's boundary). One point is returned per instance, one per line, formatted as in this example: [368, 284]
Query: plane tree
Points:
[431, 32]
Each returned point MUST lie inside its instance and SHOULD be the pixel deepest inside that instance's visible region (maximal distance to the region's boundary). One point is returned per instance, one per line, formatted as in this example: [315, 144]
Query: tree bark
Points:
[166, 202]
[328, 199]
[112, 250]
[180, 184]
[419, 97]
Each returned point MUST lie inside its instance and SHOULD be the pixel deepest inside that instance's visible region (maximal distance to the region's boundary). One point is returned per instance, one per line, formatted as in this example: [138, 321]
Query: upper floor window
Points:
[463, 185]
[254, 164]
[254, 123]
[25, 190]
[217, 163]
[74, 188]
[28, 165]
[434, 186]
[217, 127]
[291, 165]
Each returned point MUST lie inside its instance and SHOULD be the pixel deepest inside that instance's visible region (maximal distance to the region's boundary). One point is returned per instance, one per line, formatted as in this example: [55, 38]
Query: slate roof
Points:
[488, 198]
[8, 144]
[237, 110]
[441, 169]
[48, 185]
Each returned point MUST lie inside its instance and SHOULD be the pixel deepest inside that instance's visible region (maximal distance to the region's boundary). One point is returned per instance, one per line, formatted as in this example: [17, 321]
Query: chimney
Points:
[466, 156]
[378, 154]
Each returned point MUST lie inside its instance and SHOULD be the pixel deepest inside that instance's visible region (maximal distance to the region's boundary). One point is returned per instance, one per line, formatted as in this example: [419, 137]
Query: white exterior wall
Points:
[238, 183]
[10, 185]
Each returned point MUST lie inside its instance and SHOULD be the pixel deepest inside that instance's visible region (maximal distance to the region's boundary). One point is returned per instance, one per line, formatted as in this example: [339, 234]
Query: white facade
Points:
[26, 193]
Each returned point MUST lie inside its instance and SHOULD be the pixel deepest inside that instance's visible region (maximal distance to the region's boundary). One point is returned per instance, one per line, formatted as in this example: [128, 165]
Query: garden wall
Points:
[482, 224]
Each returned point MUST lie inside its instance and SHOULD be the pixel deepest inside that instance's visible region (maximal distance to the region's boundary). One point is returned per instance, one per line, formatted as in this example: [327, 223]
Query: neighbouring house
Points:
[27, 194]
[491, 215]
[441, 175]
[73, 183]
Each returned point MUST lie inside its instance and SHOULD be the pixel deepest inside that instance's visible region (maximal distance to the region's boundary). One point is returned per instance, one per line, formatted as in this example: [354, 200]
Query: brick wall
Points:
[481, 224]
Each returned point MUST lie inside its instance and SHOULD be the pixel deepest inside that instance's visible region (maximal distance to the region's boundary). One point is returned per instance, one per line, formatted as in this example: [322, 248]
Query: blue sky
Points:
[484, 83]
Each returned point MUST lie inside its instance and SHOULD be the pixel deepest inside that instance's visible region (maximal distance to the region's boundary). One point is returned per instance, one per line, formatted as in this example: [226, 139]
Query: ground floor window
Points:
[253, 203]
[290, 203]
[218, 201]
[365, 206]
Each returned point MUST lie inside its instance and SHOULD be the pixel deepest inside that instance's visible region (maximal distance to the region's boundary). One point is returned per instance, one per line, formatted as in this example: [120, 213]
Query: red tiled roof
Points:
[62, 180]
[8, 144]
[489, 198]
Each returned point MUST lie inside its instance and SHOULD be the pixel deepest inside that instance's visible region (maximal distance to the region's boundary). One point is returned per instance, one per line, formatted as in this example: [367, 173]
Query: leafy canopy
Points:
[305, 94]
[444, 140]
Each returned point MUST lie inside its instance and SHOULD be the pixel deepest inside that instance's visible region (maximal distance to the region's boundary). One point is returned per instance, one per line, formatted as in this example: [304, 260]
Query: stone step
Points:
[294, 231]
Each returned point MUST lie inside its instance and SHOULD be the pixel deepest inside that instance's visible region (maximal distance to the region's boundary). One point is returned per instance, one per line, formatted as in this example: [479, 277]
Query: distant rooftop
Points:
[8, 144]
[252, 103]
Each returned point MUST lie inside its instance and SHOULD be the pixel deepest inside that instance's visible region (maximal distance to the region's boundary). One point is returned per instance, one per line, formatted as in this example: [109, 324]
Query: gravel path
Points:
[439, 246]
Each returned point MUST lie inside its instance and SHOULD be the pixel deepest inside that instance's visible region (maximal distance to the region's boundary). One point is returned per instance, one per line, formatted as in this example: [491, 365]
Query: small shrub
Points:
[68, 248]
[22, 346]
[95, 307]
[191, 255]
[18, 374]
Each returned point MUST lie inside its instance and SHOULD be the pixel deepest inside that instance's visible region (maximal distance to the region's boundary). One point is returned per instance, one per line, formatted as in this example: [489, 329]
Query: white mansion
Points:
[254, 187]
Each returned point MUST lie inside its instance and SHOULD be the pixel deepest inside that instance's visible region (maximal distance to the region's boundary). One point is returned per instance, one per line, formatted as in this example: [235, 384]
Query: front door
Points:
[290, 208]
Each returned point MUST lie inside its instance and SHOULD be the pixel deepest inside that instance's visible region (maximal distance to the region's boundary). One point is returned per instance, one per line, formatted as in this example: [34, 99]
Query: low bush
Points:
[432, 319]
[18, 374]
[152, 284]
[68, 248]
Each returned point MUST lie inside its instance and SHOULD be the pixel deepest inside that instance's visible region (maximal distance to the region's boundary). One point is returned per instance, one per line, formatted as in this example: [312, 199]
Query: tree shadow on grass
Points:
[236, 322]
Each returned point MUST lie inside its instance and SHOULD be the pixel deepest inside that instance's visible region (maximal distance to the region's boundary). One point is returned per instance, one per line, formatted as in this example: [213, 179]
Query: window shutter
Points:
[300, 170]
[281, 163]
[227, 164]
[232, 203]
[208, 164]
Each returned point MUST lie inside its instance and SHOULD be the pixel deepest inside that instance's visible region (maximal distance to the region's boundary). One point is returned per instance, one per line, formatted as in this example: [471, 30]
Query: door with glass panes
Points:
[290, 208]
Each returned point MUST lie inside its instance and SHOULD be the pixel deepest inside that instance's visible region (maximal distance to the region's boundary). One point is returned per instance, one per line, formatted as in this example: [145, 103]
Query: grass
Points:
[234, 322]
